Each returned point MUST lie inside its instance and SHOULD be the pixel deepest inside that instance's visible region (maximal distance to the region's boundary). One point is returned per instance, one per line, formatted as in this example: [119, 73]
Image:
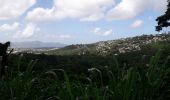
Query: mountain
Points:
[113, 46]
[36, 44]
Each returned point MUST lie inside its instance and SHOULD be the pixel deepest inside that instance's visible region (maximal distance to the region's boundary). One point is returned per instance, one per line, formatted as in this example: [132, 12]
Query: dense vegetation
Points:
[138, 75]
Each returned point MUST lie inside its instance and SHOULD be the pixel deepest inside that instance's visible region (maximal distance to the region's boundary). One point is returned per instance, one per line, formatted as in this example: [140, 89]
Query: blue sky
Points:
[77, 21]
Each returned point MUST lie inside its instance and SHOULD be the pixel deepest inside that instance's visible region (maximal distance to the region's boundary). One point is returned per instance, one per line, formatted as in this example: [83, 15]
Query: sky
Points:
[77, 21]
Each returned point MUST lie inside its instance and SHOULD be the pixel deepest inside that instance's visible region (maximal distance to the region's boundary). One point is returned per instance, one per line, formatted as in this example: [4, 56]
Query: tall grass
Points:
[122, 84]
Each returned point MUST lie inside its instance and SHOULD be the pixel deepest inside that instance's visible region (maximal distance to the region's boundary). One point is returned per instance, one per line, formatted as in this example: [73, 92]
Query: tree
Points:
[4, 55]
[163, 20]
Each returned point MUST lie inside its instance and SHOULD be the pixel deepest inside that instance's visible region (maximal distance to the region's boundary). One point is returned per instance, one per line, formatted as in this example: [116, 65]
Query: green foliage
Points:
[163, 20]
[115, 82]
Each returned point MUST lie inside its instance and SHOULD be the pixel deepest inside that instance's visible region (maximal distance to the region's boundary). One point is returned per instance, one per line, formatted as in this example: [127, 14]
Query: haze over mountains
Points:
[36, 44]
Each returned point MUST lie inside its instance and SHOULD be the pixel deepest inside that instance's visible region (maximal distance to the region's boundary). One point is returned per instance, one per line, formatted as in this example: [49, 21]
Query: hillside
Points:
[112, 46]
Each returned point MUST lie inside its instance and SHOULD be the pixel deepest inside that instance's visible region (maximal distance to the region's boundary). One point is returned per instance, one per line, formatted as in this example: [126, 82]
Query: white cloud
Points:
[27, 32]
[93, 10]
[98, 31]
[127, 9]
[108, 32]
[41, 14]
[9, 27]
[85, 10]
[159, 5]
[32, 32]
[14, 8]
[136, 24]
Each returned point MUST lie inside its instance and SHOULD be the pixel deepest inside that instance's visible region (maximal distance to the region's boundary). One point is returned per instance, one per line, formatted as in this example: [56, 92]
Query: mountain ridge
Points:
[122, 45]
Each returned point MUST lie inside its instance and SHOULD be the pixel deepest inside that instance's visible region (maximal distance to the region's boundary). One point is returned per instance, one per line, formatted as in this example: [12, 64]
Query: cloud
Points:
[127, 9]
[98, 31]
[85, 10]
[12, 9]
[136, 24]
[159, 5]
[9, 27]
[94, 10]
[32, 32]
[27, 32]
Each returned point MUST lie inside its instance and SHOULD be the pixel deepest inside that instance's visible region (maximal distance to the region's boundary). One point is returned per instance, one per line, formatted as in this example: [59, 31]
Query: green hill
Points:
[123, 45]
